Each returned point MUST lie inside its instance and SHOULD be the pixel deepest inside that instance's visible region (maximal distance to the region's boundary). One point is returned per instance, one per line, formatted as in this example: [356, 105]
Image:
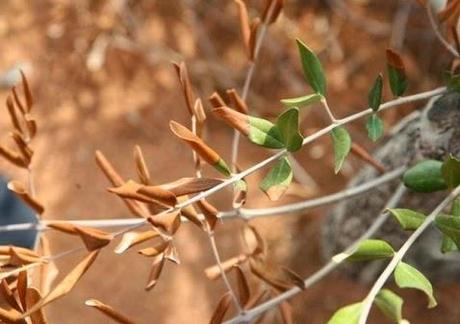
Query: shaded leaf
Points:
[108, 311]
[396, 73]
[244, 293]
[390, 304]
[425, 176]
[341, 141]
[302, 101]
[221, 309]
[66, 285]
[407, 276]
[374, 127]
[451, 171]
[347, 315]
[450, 226]
[312, 69]
[277, 181]
[448, 244]
[288, 125]
[375, 94]
[408, 219]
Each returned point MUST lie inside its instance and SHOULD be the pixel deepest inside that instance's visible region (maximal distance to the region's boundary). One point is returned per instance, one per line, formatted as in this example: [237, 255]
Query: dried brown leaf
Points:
[93, 239]
[63, 227]
[108, 311]
[216, 100]
[21, 287]
[32, 298]
[27, 92]
[18, 101]
[221, 309]
[19, 189]
[362, 154]
[141, 167]
[8, 295]
[22, 146]
[210, 213]
[233, 118]
[19, 258]
[253, 38]
[286, 313]
[15, 271]
[182, 73]
[213, 272]
[268, 274]
[188, 186]
[254, 242]
[395, 60]
[31, 125]
[272, 10]
[155, 271]
[244, 23]
[169, 222]
[13, 157]
[66, 285]
[293, 277]
[190, 213]
[11, 316]
[244, 293]
[200, 147]
[49, 271]
[131, 239]
[158, 194]
[198, 110]
[237, 102]
[155, 250]
[171, 253]
[13, 115]
[257, 297]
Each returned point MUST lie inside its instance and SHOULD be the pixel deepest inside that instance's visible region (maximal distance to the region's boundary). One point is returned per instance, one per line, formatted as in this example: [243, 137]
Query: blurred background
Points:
[102, 78]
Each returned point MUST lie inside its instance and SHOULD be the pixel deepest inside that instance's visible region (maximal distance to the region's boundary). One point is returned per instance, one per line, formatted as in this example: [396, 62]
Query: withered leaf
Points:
[22, 146]
[21, 287]
[210, 213]
[268, 274]
[216, 100]
[237, 102]
[244, 292]
[108, 311]
[13, 115]
[188, 186]
[244, 23]
[114, 177]
[8, 295]
[234, 118]
[182, 73]
[11, 316]
[221, 309]
[253, 38]
[32, 298]
[141, 167]
[63, 227]
[213, 272]
[13, 157]
[157, 267]
[190, 213]
[171, 253]
[19, 189]
[362, 154]
[27, 93]
[66, 285]
[272, 10]
[286, 313]
[18, 257]
[49, 271]
[158, 194]
[257, 297]
[93, 239]
[293, 277]
[155, 250]
[131, 239]
[169, 222]
[254, 241]
[15, 271]
[199, 113]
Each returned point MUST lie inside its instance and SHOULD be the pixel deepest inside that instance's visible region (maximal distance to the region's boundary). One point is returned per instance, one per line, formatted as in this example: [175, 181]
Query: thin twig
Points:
[438, 33]
[251, 314]
[398, 256]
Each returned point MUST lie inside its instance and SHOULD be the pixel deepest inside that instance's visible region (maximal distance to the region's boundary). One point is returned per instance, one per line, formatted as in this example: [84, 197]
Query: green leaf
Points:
[452, 81]
[374, 127]
[347, 315]
[408, 219]
[451, 171]
[312, 69]
[222, 167]
[371, 250]
[425, 176]
[288, 125]
[390, 304]
[277, 181]
[264, 133]
[450, 226]
[342, 144]
[448, 245]
[302, 101]
[407, 276]
[396, 73]
[375, 94]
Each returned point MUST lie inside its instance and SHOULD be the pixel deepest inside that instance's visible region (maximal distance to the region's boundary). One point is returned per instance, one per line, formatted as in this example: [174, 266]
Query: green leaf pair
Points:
[374, 124]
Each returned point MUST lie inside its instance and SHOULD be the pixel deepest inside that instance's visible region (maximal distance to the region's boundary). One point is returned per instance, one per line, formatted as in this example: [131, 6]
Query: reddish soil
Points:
[132, 96]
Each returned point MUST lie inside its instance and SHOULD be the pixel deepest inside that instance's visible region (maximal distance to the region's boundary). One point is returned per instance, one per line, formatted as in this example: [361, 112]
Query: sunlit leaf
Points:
[407, 276]
[408, 219]
[451, 171]
[277, 181]
[347, 315]
[312, 69]
[371, 250]
[302, 101]
[342, 144]
[396, 73]
[374, 127]
[425, 176]
[375, 94]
